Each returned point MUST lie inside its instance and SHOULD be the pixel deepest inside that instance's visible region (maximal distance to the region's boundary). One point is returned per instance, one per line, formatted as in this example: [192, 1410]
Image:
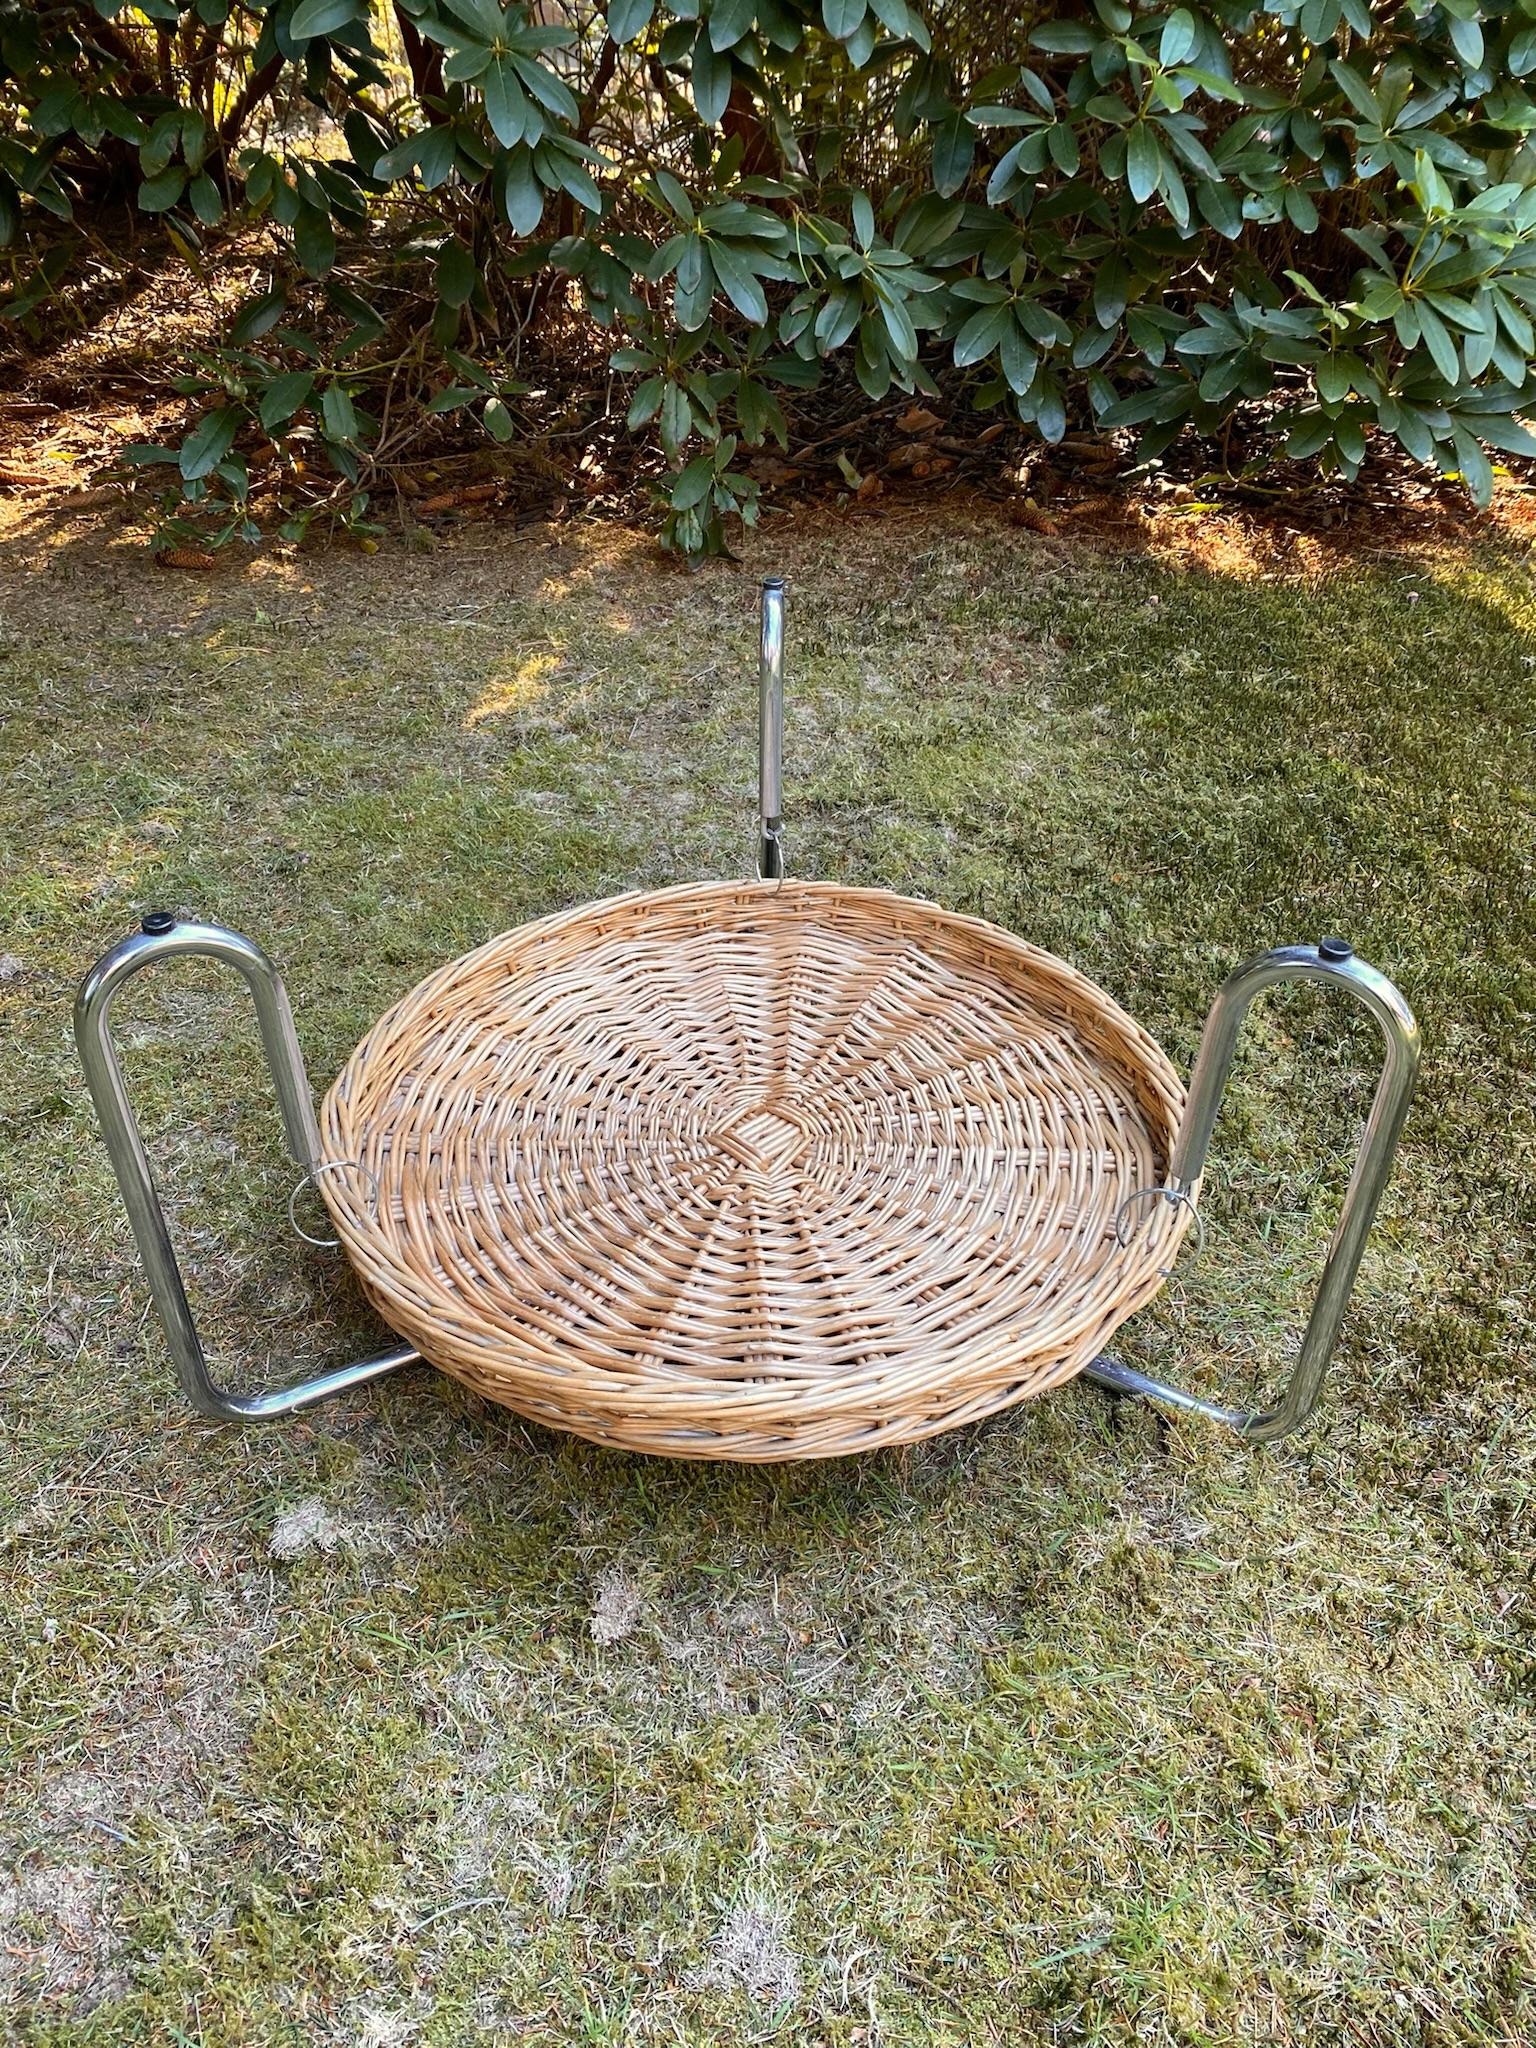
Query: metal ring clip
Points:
[309, 1179]
[1168, 1194]
[774, 836]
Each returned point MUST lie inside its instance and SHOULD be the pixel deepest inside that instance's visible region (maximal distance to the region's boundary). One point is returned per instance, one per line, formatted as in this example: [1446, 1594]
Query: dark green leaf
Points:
[626, 18]
[1309, 436]
[954, 151]
[483, 18]
[456, 274]
[1061, 141]
[646, 403]
[205, 199]
[434, 156]
[259, 317]
[1178, 38]
[1051, 415]
[1017, 360]
[1437, 339]
[506, 104]
[338, 414]
[981, 334]
[209, 442]
[675, 196]
[676, 417]
[903, 21]
[1358, 93]
[1476, 469]
[1413, 433]
[1467, 41]
[464, 65]
[1501, 431]
[900, 334]
[1221, 207]
[1064, 37]
[1143, 162]
[1300, 210]
[163, 190]
[1111, 289]
[471, 372]
[694, 285]
[693, 484]
[550, 90]
[738, 283]
[321, 17]
[710, 81]
[729, 21]
[314, 241]
[522, 196]
[283, 397]
[498, 422]
[570, 174]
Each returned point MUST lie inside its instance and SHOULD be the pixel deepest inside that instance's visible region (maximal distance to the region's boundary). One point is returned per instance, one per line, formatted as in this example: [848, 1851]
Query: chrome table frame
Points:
[1335, 963]
[1332, 962]
[164, 938]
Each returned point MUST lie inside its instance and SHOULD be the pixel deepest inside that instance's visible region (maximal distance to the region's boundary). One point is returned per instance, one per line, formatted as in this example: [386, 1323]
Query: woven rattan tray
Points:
[754, 1170]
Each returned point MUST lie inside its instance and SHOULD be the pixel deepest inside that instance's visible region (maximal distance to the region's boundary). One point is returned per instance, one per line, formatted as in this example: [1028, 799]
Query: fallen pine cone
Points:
[185, 558]
[449, 501]
[1030, 515]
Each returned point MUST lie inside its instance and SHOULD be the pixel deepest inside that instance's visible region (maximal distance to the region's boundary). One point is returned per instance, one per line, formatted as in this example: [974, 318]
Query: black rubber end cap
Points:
[773, 583]
[1336, 949]
[157, 923]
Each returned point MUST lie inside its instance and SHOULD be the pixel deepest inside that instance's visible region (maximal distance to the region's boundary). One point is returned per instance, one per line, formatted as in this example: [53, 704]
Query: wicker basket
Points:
[753, 1170]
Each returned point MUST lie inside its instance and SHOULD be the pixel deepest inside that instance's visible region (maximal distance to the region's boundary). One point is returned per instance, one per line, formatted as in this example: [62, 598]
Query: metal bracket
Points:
[162, 938]
[770, 735]
[1333, 962]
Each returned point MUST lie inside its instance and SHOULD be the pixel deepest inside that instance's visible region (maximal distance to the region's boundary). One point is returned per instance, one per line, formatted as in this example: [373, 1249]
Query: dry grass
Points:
[407, 1723]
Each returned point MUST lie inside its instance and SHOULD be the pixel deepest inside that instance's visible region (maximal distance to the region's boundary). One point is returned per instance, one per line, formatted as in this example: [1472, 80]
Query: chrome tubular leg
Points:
[770, 735]
[1333, 962]
[162, 938]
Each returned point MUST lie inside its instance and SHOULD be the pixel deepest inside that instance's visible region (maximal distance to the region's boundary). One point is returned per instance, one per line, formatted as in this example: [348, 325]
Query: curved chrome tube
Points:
[163, 938]
[770, 735]
[1335, 963]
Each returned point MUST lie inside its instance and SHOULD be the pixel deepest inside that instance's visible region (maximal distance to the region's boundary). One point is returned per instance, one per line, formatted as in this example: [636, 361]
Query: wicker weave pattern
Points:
[743, 1172]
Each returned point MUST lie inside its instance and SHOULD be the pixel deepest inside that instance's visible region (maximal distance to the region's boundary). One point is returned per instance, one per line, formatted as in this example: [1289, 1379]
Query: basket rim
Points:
[547, 1370]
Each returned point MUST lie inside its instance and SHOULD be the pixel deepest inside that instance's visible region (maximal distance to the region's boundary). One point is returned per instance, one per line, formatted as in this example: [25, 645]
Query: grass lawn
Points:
[409, 1723]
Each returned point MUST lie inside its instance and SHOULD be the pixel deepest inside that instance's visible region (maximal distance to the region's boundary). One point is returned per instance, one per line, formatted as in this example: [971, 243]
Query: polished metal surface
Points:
[770, 735]
[164, 938]
[1335, 964]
